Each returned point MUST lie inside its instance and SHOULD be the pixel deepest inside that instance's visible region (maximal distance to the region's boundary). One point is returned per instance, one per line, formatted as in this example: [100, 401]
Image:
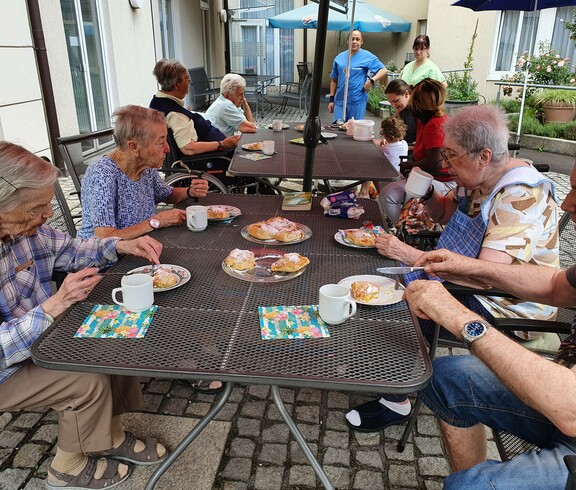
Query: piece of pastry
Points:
[164, 278]
[360, 237]
[291, 262]
[240, 260]
[262, 231]
[290, 235]
[218, 212]
[364, 290]
[279, 223]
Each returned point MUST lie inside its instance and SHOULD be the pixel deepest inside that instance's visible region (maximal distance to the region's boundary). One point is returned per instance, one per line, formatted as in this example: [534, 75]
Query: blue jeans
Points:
[463, 392]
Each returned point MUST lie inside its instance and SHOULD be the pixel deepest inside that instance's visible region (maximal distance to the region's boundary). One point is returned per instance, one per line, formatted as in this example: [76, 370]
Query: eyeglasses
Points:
[448, 156]
[9, 183]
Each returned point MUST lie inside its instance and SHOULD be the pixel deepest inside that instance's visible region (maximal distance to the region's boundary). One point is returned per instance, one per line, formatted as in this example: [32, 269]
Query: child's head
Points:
[393, 129]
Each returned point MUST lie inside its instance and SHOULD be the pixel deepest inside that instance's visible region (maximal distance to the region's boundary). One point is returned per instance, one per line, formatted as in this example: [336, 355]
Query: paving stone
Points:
[259, 391]
[428, 426]
[302, 475]
[28, 456]
[152, 402]
[433, 485]
[4, 455]
[340, 477]
[13, 478]
[368, 480]
[402, 476]
[391, 450]
[337, 400]
[337, 456]
[429, 445]
[240, 447]
[238, 469]
[335, 439]
[46, 433]
[253, 409]
[288, 395]
[228, 412]
[26, 420]
[248, 427]
[395, 432]
[273, 453]
[274, 414]
[370, 458]
[367, 438]
[5, 419]
[174, 406]
[42, 471]
[159, 386]
[198, 409]
[431, 466]
[267, 478]
[308, 395]
[278, 433]
[51, 416]
[181, 389]
[35, 484]
[308, 414]
[11, 439]
[297, 455]
[234, 485]
[309, 432]
[238, 393]
[336, 421]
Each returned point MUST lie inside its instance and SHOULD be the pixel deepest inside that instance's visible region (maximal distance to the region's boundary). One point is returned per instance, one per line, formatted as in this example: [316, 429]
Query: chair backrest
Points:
[199, 78]
[73, 148]
[62, 217]
[303, 70]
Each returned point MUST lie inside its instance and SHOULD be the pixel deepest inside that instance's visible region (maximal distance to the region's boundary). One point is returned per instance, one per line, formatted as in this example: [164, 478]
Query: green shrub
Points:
[376, 95]
[510, 105]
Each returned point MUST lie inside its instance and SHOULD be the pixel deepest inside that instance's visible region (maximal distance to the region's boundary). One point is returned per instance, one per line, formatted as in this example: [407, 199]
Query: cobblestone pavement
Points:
[260, 453]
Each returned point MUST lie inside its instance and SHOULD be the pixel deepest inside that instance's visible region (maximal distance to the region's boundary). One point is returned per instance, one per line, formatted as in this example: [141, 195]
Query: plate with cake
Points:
[373, 290]
[222, 212]
[166, 276]
[256, 146]
[359, 237]
[264, 265]
[276, 231]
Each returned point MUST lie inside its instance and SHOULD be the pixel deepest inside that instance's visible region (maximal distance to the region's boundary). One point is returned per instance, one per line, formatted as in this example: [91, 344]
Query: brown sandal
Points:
[86, 480]
[125, 452]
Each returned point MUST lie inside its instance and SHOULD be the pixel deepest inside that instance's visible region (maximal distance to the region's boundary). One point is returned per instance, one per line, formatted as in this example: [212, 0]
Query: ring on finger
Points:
[86, 290]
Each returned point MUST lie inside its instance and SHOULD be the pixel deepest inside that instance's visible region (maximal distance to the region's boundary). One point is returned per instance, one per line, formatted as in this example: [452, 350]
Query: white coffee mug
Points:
[418, 182]
[197, 218]
[137, 292]
[336, 304]
[268, 147]
[277, 125]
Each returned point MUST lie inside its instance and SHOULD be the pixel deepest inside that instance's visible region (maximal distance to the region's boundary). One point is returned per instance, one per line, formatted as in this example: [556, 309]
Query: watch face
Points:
[154, 223]
[475, 329]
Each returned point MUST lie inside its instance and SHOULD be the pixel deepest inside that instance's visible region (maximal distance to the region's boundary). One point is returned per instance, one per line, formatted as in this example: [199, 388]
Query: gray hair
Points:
[477, 127]
[169, 73]
[133, 122]
[231, 83]
[19, 170]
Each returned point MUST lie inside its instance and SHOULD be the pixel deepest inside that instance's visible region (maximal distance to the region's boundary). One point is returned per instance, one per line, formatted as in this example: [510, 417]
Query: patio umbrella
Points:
[527, 6]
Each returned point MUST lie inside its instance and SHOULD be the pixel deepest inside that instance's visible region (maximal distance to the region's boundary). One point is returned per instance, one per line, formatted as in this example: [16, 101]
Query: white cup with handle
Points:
[418, 183]
[336, 304]
[197, 218]
[268, 147]
[277, 125]
[137, 292]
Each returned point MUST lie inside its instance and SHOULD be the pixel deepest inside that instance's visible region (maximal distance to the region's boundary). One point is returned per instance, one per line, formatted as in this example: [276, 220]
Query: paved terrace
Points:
[248, 446]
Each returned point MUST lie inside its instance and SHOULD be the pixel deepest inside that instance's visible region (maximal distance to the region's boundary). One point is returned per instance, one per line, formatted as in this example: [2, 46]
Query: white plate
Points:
[262, 273]
[250, 238]
[182, 275]
[284, 126]
[247, 146]
[364, 138]
[388, 295]
[329, 136]
[234, 212]
[338, 237]
[299, 127]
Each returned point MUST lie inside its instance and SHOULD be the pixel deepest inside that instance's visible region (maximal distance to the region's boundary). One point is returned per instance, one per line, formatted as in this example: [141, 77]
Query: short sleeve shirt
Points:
[111, 199]
[414, 76]
[226, 116]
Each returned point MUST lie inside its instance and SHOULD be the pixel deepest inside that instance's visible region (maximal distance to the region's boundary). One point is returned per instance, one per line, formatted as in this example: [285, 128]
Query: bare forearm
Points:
[247, 112]
[127, 233]
[198, 147]
[380, 74]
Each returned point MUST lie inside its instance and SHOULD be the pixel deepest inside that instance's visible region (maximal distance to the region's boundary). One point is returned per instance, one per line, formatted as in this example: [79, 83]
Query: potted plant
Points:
[559, 105]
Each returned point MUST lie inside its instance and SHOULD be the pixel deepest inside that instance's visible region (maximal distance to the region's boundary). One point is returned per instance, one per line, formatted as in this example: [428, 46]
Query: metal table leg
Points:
[179, 449]
[300, 439]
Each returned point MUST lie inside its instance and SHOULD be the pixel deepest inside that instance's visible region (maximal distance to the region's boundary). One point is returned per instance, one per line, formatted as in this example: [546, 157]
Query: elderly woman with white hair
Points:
[92, 451]
[231, 112]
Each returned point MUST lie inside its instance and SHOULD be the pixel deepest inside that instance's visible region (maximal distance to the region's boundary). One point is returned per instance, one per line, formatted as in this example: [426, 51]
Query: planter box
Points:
[559, 113]
[456, 105]
[553, 145]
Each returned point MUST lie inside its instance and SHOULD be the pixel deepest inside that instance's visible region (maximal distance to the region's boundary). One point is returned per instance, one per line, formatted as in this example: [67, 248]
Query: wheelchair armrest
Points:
[457, 289]
[541, 167]
[528, 325]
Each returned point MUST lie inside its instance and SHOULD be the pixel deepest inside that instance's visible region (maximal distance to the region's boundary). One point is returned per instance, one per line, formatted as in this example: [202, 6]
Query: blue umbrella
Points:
[527, 6]
[367, 18]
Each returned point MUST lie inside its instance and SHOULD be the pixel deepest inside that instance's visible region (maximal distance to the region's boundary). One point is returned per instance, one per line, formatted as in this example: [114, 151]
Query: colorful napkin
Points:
[254, 156]
[115, 322]
[291, 322]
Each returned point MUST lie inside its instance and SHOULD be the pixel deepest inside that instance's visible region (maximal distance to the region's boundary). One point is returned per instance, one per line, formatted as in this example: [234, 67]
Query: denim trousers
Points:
[464, 392]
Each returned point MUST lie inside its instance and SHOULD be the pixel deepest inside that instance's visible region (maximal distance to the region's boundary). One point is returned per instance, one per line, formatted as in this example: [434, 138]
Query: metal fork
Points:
[152, 269]
[397, 284]
[370, 227]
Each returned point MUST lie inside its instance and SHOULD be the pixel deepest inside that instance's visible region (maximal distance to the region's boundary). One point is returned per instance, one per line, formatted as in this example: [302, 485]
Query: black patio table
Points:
[342, 158]
[209, 328]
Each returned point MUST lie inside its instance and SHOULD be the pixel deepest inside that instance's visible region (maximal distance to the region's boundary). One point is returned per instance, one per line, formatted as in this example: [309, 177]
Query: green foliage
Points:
[531, 125]
[392, 67]
[461, 86]
[554, 97]
[510, 105]
[571, 26]
[375, 96]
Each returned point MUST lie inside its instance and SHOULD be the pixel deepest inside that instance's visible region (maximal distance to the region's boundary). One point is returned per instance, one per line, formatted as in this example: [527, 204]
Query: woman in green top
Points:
[421, 68]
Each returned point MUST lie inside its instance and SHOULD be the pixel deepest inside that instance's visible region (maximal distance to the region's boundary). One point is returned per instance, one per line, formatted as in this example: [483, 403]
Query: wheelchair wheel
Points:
[215, 186]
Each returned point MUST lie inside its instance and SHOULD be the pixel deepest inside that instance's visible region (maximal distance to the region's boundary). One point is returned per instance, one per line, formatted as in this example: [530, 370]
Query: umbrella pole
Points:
[312, 126]
[347, 77]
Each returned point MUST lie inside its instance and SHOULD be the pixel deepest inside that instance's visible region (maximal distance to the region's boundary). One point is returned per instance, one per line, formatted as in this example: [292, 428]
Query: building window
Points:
[167, 29]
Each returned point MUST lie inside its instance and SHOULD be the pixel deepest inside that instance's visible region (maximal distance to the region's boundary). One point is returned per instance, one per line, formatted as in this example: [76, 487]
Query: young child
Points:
[392, 145]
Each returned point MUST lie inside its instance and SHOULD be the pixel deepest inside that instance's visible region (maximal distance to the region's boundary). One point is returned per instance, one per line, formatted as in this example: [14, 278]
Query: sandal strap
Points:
[127, 452]
[86, 477]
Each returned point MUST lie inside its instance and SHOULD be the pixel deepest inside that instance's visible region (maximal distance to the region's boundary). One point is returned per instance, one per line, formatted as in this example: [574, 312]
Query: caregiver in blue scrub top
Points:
[362, 63]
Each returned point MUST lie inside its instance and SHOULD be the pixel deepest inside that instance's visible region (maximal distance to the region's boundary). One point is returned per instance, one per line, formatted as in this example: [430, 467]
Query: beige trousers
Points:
[85, 402]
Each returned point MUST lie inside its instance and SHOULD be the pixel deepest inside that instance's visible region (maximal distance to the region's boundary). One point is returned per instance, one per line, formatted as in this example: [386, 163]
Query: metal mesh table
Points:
[209, 328]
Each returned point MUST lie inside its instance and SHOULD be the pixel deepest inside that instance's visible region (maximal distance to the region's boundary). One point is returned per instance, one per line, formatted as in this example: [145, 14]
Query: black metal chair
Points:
[294, 92]
[201, 87]
[253, 92]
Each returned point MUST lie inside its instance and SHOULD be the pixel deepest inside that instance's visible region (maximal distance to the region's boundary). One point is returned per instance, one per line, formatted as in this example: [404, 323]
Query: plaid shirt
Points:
[26, 266]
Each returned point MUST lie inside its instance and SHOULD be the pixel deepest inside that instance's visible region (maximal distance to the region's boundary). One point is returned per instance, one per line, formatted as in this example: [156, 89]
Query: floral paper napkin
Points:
[291, 322]
[254, 156]
[115, 322]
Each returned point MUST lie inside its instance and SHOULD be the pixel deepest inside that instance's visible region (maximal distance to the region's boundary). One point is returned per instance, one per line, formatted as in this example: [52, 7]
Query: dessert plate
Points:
[182, 275]
[387, 296]
[256, 146]
[233, 211]
[284, 126]
[340, 237]
[329, 136]
[262, 272]
[307, 234]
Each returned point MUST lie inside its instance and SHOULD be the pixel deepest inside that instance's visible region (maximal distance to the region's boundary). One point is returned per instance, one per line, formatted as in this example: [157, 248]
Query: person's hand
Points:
[230, 142]
[143, 246]
[172, 217]
[444, 264]
[367, 86]
[330, 107]
[391, 247]
[198, 188]
[406, 165]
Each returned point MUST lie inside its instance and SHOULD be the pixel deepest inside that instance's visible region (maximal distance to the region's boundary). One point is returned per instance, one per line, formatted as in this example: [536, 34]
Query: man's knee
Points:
[89, 385]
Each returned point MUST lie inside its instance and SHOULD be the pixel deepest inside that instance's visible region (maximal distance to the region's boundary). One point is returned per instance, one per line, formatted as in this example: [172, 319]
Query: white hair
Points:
[231, 83]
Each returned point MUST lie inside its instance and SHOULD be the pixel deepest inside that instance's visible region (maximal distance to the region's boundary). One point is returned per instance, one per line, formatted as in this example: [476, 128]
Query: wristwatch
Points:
[371, 80]
[473, 331]
[154, 223]
[220, 146]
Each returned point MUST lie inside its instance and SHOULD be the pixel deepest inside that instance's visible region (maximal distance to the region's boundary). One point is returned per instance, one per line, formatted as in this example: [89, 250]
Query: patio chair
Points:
[253, 93]
[201, 87]
[303, 95]
[62, 218]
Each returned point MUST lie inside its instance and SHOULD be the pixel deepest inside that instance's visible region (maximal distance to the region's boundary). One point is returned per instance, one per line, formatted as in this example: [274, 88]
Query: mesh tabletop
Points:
[342, 158]
[209, 327]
